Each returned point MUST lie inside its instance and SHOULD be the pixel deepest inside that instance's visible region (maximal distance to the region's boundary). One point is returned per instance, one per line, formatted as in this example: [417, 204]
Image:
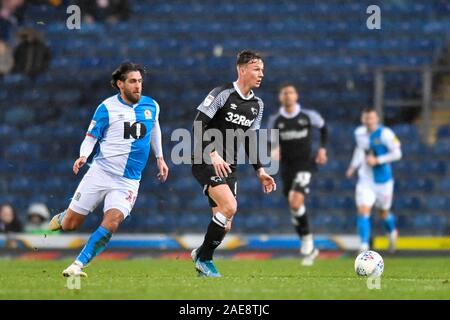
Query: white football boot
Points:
[393, 241]
[74, 270]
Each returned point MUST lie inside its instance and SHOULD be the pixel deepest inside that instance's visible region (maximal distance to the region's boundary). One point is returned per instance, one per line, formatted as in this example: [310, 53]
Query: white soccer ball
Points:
[369, 264]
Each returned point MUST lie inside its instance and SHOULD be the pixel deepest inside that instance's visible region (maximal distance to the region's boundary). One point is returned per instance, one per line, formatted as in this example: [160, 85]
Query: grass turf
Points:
[404, 278]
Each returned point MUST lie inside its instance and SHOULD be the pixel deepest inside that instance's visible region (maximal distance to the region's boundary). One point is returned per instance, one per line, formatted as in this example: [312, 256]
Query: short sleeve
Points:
[99, 123]
[214, 101]
[389, 139]
[157, 110]
[257, 123]
[315, 118]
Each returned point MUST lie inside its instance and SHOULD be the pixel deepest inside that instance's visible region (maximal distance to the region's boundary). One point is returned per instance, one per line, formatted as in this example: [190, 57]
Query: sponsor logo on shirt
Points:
[294, 134]
[239, 119]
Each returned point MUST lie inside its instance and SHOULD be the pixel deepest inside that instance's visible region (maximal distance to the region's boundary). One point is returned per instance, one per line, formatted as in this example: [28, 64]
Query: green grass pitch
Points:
[404, 278]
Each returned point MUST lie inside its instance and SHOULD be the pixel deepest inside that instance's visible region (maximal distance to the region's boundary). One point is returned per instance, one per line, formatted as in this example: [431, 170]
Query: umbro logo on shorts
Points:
[216, 179]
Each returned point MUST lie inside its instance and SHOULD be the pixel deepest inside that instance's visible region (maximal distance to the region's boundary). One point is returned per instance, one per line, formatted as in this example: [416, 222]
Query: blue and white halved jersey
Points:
[379, 143]
[123, 132]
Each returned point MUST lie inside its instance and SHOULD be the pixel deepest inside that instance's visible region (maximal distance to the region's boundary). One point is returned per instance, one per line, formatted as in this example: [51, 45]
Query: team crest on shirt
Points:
[254, 111]
[148, 114]
[302, 122]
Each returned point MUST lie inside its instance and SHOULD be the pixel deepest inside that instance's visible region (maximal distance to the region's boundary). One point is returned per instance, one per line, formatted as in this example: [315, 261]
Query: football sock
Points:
[96, 244]
[307, 244]
[363, 224]
[214, 236]
[300, 221]
[389, 222]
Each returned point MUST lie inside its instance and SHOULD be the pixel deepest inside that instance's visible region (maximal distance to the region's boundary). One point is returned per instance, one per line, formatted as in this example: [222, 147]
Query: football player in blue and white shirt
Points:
[376, 147]
[125, 126]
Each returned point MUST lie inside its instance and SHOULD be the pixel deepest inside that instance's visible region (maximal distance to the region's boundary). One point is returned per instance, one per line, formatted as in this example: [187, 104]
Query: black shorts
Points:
[206, 176]
[296, 181]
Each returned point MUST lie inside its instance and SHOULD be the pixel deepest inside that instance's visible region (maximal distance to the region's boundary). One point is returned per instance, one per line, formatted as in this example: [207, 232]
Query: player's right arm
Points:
[357, 159]
[206, 111]
[95, 132]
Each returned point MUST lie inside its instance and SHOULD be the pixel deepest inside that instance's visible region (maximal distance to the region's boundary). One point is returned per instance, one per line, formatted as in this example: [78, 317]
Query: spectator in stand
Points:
[37, 218]
[10, 16]
[9, 222]
[112, 11]
[32, 55]
[6, 59]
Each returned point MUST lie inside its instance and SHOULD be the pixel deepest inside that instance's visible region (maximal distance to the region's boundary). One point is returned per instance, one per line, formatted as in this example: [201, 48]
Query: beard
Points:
[132, 96]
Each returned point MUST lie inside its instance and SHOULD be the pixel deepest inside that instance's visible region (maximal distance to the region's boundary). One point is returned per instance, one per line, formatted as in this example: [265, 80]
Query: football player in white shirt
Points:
[125, 126]
[376, 147]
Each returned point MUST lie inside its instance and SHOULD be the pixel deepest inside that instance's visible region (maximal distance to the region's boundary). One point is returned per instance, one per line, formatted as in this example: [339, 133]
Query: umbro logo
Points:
[216, 179]
[281, 125]
[233, 106]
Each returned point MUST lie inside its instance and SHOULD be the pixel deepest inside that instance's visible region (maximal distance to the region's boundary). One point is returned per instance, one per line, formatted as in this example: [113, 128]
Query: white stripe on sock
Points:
[220, 219]
[301, 211]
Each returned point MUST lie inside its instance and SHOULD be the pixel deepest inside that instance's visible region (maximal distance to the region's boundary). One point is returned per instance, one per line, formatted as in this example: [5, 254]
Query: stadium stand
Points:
[43, 121]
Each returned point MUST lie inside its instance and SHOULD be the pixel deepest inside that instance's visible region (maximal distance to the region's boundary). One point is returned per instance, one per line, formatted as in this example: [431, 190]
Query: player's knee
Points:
[363, 213]
[383, 214]
[296, 206]
[229, 209]
[296, 202]
[111, 225]
[69, 224]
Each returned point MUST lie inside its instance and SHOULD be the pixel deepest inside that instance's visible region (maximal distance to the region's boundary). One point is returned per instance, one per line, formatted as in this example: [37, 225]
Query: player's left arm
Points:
[156, 143]
[267, 182]
[390, 140]
[319, 122]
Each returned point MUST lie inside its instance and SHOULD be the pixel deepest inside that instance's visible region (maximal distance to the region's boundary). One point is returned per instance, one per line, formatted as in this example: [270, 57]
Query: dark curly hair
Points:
[121, 72]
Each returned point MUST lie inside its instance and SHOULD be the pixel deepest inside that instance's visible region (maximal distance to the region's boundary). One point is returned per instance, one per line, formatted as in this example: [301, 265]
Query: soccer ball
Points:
[369, 264]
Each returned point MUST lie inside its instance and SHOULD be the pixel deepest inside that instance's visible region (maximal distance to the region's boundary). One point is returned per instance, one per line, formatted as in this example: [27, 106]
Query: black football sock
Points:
[213, 238]
[300, 221]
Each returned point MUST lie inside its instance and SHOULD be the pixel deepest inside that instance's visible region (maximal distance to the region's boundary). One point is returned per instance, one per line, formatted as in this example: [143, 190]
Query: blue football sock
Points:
[95, 245]
[363, 224]
[389, 222]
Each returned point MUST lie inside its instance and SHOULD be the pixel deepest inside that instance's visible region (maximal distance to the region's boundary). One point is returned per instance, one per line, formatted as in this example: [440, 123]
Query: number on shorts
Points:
[303, 178]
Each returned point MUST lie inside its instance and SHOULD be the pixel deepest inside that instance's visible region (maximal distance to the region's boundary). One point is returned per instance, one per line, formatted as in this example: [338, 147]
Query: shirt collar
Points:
[250, 95]
[297, 110]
